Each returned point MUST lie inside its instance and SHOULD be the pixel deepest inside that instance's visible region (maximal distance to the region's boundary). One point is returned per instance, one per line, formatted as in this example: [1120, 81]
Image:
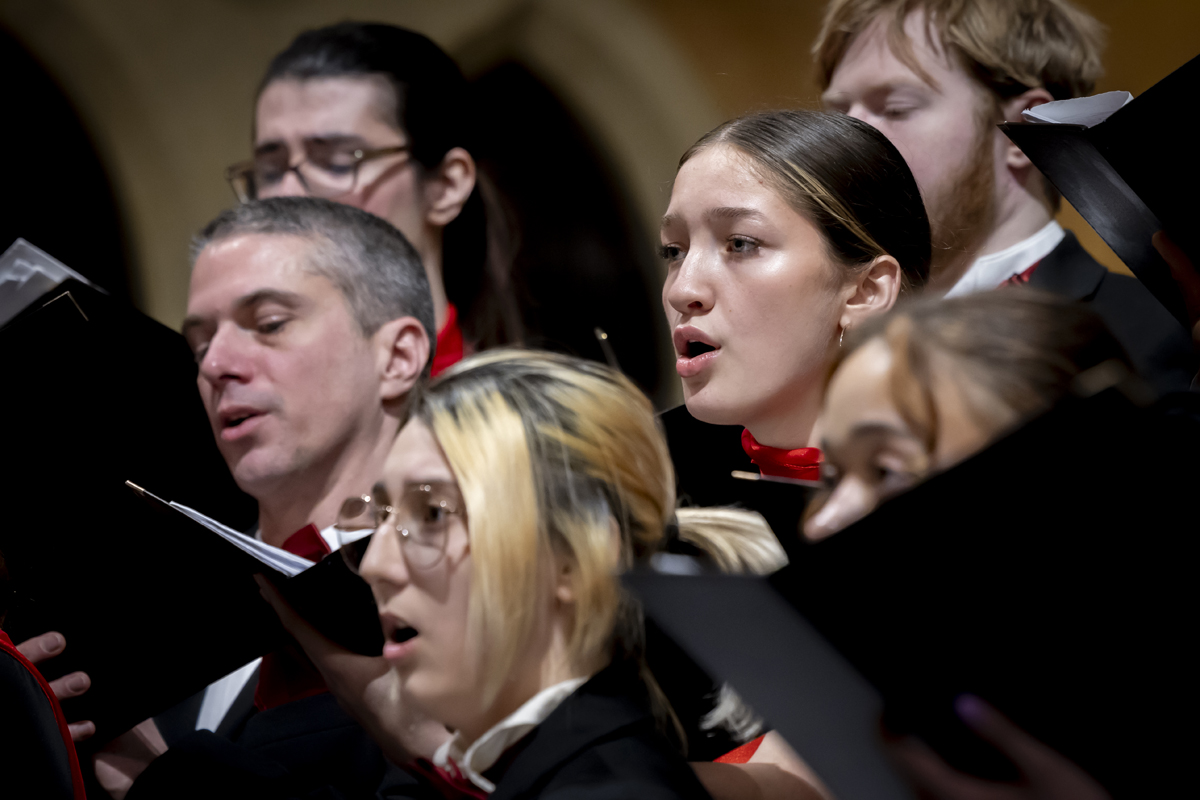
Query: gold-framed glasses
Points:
[330, 168]
[421, 517]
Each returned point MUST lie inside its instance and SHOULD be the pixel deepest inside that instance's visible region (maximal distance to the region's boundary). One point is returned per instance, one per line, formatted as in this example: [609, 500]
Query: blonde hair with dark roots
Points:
[1010, 46]
[553, 454]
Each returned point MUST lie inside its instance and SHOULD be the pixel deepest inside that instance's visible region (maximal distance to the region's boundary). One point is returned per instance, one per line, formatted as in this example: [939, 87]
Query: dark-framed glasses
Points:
[330, 168]
[421, 517]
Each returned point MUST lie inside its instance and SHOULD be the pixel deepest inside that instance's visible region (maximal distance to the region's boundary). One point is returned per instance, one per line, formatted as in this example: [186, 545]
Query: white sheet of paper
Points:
[274, 557]
[1086, 111]
[27, 273]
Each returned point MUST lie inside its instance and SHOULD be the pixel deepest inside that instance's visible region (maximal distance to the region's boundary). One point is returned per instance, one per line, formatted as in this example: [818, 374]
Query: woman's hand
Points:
[364, 686]
[46, 646]
[1045, 775]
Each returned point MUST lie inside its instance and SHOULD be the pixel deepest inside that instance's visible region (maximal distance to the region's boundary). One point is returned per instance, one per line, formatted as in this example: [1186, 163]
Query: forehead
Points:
[870, 60]
[415, 456]
[721, 177]
[239, 266]
[860, 393]
[352, 106]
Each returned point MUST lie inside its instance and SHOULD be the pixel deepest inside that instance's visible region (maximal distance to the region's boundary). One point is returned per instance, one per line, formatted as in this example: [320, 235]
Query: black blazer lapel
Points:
[1069, 270]
[601, 707]
[179, 722]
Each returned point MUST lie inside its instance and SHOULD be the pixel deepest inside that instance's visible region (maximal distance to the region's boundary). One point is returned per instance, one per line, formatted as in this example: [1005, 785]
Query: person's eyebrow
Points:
[865, 430]
[330, 138]
[291, 299]
[669, 220]
[436, 483]
[280, 296]
[733, 213]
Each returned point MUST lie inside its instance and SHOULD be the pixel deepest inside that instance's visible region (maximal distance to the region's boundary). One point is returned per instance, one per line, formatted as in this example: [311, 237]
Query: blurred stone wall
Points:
[166, 88]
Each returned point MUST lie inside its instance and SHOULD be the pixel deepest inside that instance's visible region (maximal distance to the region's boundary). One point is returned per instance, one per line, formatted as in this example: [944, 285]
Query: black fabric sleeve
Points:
[208, 766]
[32, 751]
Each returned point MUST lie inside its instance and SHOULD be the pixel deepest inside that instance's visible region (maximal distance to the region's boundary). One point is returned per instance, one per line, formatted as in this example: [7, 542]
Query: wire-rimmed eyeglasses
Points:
[330, 169]
[422, 517]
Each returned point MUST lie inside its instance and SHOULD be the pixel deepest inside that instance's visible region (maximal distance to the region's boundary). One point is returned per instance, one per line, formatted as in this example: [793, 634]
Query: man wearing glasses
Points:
[377, 117]
[311, 322]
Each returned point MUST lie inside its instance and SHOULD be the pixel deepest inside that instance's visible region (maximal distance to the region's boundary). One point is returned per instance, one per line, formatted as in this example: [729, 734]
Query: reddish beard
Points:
[962, 214]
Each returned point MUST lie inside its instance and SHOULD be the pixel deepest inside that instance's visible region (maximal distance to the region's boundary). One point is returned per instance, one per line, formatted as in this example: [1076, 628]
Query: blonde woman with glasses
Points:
[520, 488]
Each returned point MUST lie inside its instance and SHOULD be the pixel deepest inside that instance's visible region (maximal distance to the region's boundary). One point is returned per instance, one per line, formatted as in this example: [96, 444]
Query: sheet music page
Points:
[274, 557]
[27, 273]
[1086, 111]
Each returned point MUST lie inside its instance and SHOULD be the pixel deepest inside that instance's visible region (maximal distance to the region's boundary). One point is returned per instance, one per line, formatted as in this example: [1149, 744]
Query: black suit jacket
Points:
[179, 722]
[601, 743]
[306, 748]
[34, 760]
[1161, 350]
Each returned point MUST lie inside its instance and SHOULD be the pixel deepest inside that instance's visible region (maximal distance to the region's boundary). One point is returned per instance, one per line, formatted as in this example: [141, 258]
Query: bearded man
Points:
[936, 77]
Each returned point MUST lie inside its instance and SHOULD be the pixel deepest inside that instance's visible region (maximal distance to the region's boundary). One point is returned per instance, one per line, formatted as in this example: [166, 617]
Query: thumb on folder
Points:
[364, 686]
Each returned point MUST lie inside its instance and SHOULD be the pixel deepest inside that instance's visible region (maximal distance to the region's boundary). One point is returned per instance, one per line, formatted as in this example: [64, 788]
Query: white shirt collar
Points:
[989, 271]
[487, 749]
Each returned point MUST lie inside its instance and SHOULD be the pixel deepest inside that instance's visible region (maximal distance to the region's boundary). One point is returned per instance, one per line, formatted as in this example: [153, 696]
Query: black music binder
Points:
[153, 606]
[1131, 175]
[1052, 574]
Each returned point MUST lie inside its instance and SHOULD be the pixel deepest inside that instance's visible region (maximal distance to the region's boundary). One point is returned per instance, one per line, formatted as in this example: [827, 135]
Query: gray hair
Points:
[367, 259]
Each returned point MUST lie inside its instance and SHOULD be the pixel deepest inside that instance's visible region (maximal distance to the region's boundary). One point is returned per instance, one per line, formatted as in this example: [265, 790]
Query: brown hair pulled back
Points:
[1013, 352]
[841, 174]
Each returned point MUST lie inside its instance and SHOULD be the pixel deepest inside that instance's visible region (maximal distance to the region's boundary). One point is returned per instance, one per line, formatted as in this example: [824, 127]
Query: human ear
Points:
[874, 290]
[402, 350]
[566, 569]
[447, 189]
[1014, 157]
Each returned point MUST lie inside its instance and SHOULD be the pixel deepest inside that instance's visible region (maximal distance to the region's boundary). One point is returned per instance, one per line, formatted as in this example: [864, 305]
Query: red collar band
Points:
[803, 464]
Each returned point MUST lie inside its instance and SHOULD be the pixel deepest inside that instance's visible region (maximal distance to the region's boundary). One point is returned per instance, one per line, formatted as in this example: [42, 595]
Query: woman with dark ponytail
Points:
[785, 230]
[378, 117]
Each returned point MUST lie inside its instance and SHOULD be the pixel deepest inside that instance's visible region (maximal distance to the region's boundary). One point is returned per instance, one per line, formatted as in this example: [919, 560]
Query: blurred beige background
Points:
[166, 88]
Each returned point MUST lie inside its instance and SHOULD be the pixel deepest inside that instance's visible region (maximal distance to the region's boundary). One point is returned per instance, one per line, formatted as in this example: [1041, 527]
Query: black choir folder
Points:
[1053, 575]
[153, 604]
[1130, 175]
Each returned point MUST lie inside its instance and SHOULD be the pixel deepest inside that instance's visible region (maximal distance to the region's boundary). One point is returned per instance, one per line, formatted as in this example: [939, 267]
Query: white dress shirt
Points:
[989, 271]
[472, 762]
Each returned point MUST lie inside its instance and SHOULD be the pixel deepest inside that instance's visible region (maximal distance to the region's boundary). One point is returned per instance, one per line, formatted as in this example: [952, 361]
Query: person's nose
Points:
[225, 358]
[850, 501]
[688, 289]
[290, 185]
[384, 566]
[860, 112]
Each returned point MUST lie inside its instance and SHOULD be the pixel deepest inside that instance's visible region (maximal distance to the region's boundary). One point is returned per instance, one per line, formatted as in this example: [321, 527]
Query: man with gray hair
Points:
[311, 322]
